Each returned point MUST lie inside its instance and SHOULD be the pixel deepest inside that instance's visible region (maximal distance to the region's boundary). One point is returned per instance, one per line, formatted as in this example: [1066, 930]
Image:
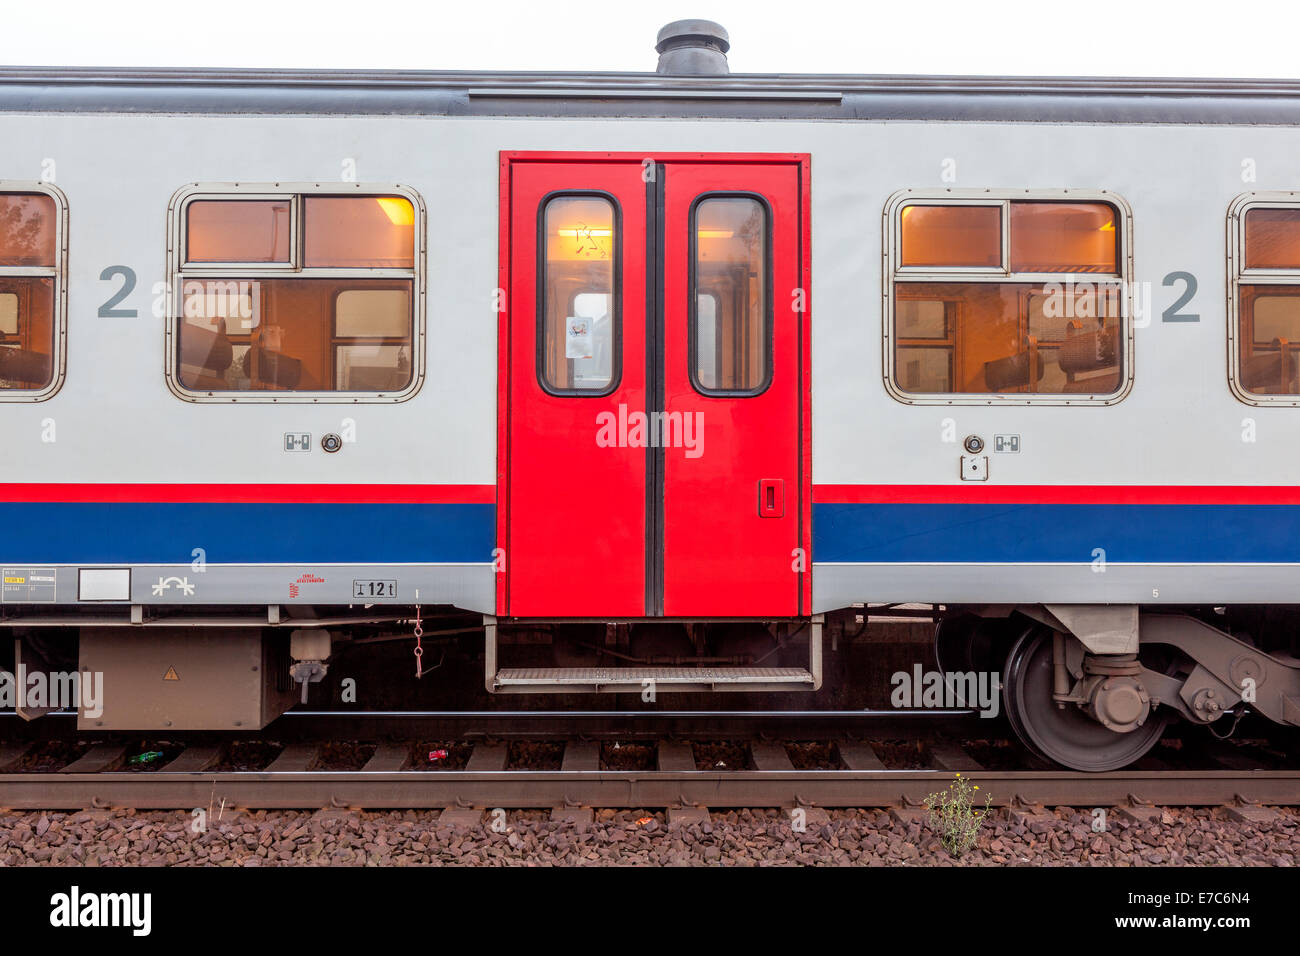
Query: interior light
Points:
[400, 212]
[715, 234]
[1108, 226]
[594, 233]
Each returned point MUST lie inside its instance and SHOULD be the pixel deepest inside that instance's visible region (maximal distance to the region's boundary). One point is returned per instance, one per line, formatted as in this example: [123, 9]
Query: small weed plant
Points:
[955, 816]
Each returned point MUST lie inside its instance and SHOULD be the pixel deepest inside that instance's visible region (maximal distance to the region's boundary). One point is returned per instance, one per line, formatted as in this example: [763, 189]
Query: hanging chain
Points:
[419, 650]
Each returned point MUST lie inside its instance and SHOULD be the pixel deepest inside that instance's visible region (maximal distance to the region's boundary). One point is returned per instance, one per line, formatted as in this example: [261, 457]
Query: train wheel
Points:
[1063, 735]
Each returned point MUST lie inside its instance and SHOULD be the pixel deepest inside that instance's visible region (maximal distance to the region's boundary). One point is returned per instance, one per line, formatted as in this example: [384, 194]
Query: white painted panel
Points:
[104, 584]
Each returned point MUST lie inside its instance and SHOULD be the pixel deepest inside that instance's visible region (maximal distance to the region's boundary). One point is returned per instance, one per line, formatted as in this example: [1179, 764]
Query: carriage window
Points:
[1273, 239]
[238, 231]
[579, 307]
[342, 320]
[731, 330]
[8, 313]
[1008, 331]
[31, 260]
[952, 236]
[1266, 280]
[1063, 237]
[1269, 339]
[925, 343]
[381, 312]
[371, 232]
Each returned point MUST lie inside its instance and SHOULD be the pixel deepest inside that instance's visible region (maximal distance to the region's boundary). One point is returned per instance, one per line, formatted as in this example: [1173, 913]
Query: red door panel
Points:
[574, 506]
[731, 267]
[670, 288]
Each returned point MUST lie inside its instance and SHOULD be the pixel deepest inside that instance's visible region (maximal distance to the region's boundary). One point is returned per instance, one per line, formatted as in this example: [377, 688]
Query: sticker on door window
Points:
[577, 343]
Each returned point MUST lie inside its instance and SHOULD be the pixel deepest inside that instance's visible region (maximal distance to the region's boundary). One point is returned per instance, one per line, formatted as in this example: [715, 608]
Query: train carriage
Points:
[679, 371]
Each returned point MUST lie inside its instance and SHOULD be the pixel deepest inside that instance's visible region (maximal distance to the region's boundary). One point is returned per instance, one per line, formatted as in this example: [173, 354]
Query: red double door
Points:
[654, 401]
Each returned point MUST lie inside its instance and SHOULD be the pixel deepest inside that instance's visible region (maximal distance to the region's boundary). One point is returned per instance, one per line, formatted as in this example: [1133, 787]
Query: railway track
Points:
[579, 775]
[412, 724]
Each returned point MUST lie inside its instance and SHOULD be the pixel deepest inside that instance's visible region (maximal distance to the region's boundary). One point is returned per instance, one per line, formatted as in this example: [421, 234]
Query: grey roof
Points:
[770, 96]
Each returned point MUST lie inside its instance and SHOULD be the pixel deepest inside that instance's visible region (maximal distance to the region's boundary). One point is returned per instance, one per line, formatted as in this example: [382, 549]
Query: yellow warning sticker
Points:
[171, 674]
[9, 580]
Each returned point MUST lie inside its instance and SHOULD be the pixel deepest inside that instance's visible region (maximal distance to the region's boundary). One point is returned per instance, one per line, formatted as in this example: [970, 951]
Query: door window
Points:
[730, 320]
[579, 299]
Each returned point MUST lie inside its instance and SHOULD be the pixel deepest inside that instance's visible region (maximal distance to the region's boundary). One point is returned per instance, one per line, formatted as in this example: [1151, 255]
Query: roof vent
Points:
[693, 47]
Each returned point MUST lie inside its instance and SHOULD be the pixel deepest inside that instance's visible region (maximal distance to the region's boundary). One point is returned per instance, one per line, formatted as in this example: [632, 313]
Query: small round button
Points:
[974, 444]
[331, 442]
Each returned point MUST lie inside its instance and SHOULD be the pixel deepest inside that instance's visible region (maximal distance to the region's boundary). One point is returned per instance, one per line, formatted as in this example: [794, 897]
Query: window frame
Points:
[59, 274]
[1004, 212]
[893, 271]
[295, 240]
[179, 270]
[616, 296]
[693, 302]
[1239, 275]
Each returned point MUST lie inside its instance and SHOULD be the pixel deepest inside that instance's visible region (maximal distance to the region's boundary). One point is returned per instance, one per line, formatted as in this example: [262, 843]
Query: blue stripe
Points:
[66, 533]
[1002, 533]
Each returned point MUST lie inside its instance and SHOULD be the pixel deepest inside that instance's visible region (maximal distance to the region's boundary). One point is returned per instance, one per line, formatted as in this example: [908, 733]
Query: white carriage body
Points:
[1179, 427]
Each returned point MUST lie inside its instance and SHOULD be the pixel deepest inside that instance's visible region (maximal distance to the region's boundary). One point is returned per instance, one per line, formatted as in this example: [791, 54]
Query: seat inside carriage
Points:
[1088, 362]
[24, 368]
[212, 358]
[1272, 371]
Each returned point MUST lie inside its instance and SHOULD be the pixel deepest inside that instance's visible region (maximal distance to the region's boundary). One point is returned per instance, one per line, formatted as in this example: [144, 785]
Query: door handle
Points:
[771, 498]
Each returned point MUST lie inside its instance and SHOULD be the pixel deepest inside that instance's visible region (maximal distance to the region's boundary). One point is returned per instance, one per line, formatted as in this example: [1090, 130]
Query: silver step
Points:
[636, 680]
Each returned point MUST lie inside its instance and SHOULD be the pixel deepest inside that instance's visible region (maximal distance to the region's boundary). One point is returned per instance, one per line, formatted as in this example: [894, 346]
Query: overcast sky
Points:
[1254, 38]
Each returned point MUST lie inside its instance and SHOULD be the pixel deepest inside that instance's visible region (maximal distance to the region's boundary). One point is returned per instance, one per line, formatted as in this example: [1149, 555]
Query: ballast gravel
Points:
[1066, 837]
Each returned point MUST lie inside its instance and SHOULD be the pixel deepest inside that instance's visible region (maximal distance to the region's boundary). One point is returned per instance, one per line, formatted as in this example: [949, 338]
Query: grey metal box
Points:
[186, 678]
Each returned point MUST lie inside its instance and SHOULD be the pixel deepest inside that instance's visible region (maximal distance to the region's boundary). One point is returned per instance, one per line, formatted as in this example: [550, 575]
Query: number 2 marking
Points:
[1172, 314]
[109, 309]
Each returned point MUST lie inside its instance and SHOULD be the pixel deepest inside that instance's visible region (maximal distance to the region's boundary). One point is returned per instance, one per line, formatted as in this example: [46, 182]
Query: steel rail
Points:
[610, 724]
[568, 714]
[641, 714]
[555, 724]
[421, 789]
